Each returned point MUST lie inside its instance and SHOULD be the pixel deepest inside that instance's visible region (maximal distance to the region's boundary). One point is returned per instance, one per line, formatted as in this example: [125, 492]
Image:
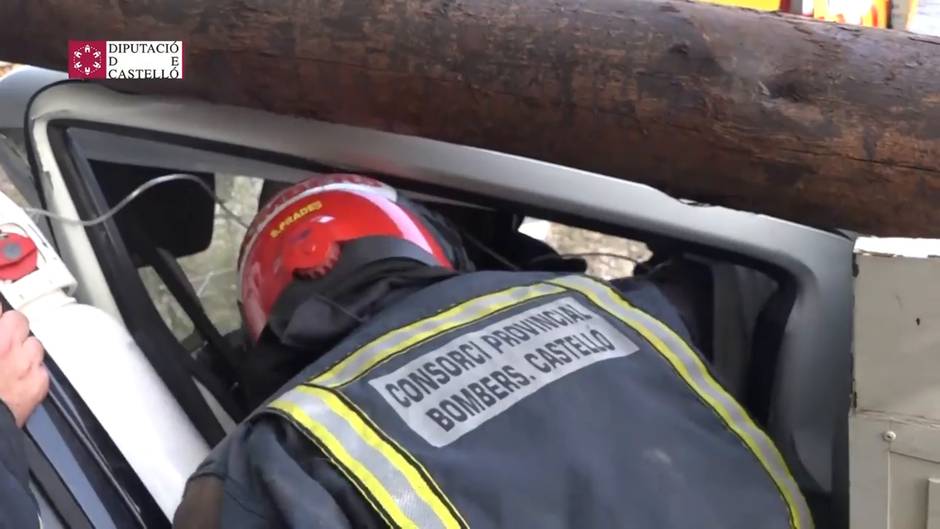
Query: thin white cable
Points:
[133, 195]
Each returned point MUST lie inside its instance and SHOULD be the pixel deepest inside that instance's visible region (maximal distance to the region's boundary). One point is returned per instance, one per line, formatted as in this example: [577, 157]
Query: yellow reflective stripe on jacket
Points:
[691, 368]
[331, 448]
[388, 480]
[395, 342]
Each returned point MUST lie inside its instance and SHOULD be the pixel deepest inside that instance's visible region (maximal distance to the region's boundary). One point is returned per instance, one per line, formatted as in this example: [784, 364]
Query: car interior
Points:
[197, 330]
[158, 243]
[171, 270]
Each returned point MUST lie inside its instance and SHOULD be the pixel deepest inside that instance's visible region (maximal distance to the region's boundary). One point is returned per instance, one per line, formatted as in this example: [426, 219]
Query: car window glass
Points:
[15, 179]
[212, 271]
[607, 256]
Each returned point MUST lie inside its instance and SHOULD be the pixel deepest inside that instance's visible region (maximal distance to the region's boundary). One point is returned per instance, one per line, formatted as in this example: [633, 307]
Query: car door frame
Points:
[80, 475]
[812, 385]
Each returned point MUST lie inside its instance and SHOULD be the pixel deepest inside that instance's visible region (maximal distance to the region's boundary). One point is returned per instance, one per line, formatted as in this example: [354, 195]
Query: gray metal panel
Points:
[17, 87]
[933, 503]
[895, 420]
[813, 389]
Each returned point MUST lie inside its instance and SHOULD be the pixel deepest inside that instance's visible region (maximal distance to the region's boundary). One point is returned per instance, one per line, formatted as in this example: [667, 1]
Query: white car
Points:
[123, 428]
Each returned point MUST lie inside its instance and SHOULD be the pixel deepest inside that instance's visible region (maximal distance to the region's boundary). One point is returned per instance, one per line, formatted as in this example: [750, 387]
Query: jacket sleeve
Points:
[664, 303]
[266, 476]
[17, 506]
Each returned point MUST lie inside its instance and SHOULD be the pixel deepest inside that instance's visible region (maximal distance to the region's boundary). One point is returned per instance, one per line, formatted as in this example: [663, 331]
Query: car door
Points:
[801, 376]
[78, 477]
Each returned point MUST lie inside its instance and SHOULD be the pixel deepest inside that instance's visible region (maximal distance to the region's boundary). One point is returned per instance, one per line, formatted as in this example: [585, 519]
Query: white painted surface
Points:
[112, 376]
[925, 19]
[894, 426]
[933, 503]
[536, 228]
[73, 244]
[898, 246]
[897, 335]
[99, 357]
[868, 478]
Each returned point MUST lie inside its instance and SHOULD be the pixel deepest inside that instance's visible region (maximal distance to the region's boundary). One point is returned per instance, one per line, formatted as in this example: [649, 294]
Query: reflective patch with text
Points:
[453, 389]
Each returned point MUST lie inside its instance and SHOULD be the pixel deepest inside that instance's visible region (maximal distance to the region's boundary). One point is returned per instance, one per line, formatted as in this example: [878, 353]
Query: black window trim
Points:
[97, 479]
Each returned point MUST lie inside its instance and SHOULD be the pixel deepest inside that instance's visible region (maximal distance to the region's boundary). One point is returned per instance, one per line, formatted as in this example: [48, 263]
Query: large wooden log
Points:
[823, 124]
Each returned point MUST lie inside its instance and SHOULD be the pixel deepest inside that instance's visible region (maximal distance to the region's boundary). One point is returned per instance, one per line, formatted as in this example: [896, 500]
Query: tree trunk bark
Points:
[823, 124]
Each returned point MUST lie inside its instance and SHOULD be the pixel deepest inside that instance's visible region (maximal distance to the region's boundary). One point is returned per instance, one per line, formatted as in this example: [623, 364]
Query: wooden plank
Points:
[828, 125]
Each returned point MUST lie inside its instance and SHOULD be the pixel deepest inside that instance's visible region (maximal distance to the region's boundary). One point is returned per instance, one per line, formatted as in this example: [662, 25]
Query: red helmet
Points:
[304, 229]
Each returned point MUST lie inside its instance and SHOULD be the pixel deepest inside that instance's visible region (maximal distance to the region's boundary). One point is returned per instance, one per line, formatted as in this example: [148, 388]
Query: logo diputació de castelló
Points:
[125, 59]
[87, 59]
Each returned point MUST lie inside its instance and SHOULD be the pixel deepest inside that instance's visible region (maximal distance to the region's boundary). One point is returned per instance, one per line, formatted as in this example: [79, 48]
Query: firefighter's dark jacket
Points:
[502, 400]
[17, 506]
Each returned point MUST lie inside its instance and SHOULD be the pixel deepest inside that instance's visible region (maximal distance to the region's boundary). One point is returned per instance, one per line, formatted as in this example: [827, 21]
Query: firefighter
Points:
[24, 382]
[424, 394]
